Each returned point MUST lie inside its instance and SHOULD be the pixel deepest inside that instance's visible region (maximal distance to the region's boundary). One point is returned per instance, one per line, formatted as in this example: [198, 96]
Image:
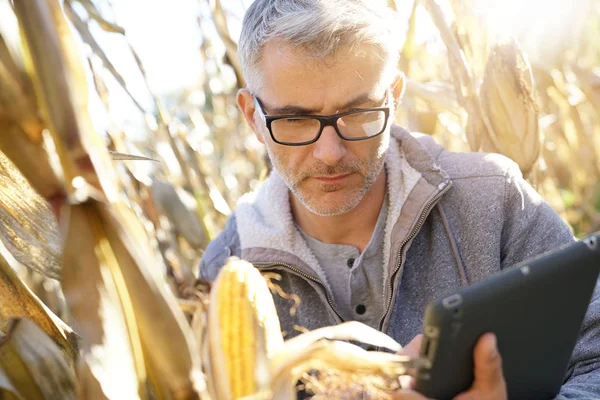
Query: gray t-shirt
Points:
[355, 278]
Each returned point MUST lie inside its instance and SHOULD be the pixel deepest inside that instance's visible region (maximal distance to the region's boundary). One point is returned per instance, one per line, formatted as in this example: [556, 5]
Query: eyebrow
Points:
[298, 110]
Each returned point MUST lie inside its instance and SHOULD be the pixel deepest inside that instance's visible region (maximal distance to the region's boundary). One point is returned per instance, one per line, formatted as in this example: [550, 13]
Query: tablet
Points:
[535, 308]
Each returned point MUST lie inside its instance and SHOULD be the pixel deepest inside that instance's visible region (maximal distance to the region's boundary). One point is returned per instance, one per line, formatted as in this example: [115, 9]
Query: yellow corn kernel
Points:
[244, 330]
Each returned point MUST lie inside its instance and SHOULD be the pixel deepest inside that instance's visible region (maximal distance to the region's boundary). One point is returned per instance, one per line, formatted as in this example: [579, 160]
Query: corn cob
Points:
[509, 100]
[244, 331]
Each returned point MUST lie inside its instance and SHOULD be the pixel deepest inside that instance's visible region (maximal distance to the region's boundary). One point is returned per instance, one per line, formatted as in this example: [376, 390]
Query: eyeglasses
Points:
[300, 130]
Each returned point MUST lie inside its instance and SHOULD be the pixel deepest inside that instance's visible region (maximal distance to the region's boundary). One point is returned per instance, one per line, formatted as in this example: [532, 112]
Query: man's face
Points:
[332, 175]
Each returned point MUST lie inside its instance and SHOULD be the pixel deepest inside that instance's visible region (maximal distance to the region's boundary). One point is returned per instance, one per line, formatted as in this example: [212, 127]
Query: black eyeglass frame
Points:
[325, 120]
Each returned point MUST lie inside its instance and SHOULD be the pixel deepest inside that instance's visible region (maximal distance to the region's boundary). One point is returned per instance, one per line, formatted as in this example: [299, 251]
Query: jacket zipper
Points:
[413, 233]
[389, 300]
[296, 270]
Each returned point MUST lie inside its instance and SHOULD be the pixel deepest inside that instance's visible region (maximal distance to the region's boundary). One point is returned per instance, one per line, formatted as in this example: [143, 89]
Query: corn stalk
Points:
[122, 307]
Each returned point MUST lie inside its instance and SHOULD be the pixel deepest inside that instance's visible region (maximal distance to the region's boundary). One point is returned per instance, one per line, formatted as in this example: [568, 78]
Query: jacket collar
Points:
[265, 224]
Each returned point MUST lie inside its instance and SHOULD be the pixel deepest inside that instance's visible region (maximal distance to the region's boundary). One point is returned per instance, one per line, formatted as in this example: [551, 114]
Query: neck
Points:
[353, 228]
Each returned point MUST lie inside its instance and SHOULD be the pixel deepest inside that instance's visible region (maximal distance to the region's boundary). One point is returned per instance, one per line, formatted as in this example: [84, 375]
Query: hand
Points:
[412, 349]
[489, 380]
[489, 383]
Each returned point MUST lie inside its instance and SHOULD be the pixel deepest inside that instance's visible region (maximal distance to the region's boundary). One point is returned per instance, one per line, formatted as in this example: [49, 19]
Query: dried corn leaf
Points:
[351, 330]
[173, 352]
[20, 126]
[61, 90]
[88, 387]
[129, 157]
[96, 237]
[9, 70]
[184, 220]
[322, 349]
[334, 385]
[409, 47]
[16, 103]
[463, 79]
[440, 96]
[19, 301]
[101, 308]
[220, 21]
[88, 38]
[336, 356]
[95, 15]
[32, 161]
[32, 366]
[28, 227]
[460, 70]
[7, 390]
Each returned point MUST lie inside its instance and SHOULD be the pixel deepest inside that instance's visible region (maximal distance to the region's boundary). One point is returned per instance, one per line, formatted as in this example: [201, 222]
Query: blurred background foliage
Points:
[165, 76]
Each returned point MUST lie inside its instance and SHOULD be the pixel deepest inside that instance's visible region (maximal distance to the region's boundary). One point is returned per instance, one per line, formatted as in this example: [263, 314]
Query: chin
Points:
[329, 204]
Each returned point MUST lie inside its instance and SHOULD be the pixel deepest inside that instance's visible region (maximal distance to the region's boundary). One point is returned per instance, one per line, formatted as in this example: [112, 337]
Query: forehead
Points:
[291, 76]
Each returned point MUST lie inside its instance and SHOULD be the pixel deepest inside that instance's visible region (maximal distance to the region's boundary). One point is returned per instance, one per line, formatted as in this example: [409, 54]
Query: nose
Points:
[330, 148]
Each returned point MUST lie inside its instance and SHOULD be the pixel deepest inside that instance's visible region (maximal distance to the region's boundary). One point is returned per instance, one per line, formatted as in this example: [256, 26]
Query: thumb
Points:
[488, 365]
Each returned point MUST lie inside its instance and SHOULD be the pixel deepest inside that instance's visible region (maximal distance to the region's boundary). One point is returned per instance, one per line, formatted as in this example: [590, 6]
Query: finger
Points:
[469, 395]
[408, 395]
[407, 382]
[413, 348]
[488, 365]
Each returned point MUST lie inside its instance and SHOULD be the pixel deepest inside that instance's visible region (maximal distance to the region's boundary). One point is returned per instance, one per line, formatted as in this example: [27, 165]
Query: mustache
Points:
[324, 170]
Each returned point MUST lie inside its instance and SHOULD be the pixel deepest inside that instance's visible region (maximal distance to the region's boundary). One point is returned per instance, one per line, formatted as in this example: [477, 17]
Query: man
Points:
[363, 220]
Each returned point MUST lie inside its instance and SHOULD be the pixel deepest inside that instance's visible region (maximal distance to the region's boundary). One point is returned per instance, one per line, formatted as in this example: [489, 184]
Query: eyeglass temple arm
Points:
[261, 113]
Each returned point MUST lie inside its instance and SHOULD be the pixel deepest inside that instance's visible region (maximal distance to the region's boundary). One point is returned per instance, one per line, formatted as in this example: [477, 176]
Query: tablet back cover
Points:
[536, 309]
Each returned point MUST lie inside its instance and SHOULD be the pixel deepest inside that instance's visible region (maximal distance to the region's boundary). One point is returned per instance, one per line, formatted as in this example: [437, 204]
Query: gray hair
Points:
[318, 27]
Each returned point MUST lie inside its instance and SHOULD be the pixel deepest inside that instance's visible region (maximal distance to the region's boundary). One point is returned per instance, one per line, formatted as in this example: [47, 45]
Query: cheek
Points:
[285, 158]
[368, 153]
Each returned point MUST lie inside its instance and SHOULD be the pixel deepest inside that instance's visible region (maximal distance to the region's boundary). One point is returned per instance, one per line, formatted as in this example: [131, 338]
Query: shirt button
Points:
[361, 309]
[350, 262]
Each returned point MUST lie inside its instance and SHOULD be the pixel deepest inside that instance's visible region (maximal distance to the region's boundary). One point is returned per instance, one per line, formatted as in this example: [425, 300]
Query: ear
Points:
[398, 87]
[245, 102]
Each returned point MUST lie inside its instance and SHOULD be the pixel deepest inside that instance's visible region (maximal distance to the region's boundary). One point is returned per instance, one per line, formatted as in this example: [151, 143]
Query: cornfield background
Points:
[110, 191]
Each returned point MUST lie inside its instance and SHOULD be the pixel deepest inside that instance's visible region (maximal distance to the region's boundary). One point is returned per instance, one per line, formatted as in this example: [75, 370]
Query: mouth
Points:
[332, 179]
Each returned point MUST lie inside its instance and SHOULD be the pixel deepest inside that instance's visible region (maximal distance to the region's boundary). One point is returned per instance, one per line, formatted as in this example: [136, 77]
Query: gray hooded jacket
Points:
[453, 219]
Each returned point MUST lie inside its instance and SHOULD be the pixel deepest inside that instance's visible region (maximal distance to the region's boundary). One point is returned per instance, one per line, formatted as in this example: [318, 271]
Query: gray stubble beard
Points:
[345, 206]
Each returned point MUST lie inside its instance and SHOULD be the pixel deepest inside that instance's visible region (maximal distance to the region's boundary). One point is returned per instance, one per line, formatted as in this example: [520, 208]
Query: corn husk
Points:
[338, 357]
[28, 228]
[169, 341]
[183, 217]
[18, 301]
[101, 309]
[508, 97]
[32, 367]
